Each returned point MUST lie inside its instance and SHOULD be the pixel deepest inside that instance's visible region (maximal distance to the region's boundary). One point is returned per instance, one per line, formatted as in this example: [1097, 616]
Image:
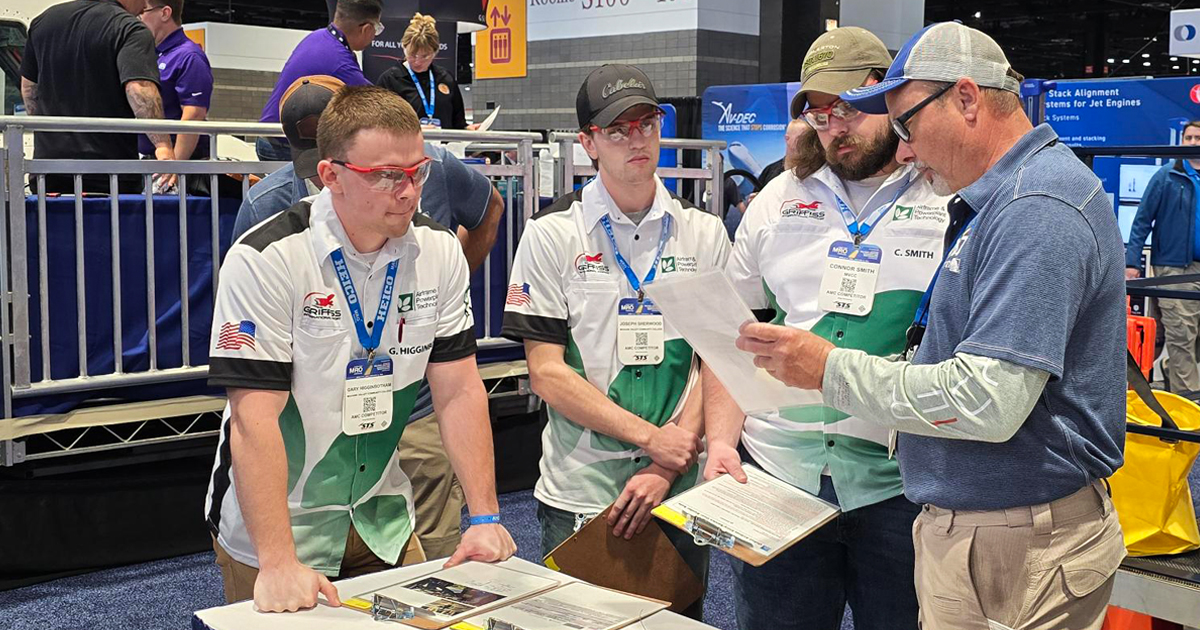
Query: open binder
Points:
[754, 522]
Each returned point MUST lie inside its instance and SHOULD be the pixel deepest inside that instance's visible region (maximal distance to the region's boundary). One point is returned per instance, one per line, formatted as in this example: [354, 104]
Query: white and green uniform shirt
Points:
[281, 323]
[565, 289]
[777, 263]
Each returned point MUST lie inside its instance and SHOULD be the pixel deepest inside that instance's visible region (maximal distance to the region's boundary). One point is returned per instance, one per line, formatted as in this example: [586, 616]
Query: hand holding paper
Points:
[795, 357]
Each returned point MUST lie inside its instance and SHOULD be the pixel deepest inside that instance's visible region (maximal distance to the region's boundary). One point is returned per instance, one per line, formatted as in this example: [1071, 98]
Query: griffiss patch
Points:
[590, 263]
[319, 305]
[801, 209]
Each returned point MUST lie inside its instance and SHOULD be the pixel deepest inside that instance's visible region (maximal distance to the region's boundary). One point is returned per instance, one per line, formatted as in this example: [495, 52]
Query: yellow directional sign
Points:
[500, 48]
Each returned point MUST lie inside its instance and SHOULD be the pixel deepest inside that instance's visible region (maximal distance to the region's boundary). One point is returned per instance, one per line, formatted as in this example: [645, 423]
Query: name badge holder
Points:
[367, 391]
[641, 330]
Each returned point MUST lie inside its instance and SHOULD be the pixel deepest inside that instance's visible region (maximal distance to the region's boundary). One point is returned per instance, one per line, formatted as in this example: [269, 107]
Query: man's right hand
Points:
[291, 587]
[722, 459]
[1132, 273]
[674, 448]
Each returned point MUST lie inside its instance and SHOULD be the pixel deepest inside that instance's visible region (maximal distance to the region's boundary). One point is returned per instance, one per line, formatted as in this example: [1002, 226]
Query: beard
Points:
[937, 182]
[870, 158]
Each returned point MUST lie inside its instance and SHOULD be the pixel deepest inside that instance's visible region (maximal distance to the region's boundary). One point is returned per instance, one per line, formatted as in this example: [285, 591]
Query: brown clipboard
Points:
[647, 565]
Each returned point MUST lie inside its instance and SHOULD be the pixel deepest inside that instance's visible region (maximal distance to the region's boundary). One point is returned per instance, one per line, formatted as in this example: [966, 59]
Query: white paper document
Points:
[574, 606]
[459, 592]
[706, 310]
[765, 514]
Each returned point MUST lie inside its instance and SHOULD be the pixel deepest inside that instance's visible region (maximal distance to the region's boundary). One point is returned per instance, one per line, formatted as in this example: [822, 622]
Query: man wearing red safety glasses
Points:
[327, 318]
[621, 385]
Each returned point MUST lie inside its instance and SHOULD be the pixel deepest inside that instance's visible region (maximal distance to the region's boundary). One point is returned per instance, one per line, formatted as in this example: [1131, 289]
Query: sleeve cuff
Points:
[835, 385]
[453, 348]
[518, 327]
[249, 374]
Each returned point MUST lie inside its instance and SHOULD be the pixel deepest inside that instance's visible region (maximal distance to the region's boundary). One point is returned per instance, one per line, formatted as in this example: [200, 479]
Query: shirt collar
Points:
[597, 203]
[1187, 168]
[978, 193]
[176, 38]
[328, 234]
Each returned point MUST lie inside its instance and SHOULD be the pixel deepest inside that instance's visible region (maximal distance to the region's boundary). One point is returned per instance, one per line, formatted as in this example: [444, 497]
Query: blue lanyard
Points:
[922, 317]
[369, 341]
[624, 264]
[427, 102]
[860, 229]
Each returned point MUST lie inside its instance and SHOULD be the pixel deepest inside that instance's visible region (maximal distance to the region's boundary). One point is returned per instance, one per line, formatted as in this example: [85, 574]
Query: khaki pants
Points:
[1042, 567]
[358, 560]
[436, 491]
[1181, 322]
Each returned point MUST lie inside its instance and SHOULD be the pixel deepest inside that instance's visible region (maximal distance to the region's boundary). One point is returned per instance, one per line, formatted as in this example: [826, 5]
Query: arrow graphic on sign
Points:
[497, 16]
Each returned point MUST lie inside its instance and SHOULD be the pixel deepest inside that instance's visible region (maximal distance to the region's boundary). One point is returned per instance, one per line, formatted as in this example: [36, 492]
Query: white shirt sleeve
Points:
[455, 335]
[536, 305]
[251, 342]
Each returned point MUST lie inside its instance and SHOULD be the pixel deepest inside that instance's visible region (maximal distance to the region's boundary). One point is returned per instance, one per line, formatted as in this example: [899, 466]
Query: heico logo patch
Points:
[590, 263]
[668, 264]
[405, 303]
[800, 209]
[320, 305]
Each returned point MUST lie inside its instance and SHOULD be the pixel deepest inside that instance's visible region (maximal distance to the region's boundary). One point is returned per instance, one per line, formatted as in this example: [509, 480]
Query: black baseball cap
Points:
[299, 112]
[610, 90]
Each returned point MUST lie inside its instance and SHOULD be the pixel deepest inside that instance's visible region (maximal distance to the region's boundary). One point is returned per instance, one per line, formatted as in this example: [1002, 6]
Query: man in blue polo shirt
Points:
[1012, 410]
[328, 51]
[186, 79]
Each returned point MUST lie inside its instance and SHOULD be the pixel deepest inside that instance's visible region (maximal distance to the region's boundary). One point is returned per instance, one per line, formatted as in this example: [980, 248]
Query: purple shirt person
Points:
[185, 77]
[328, 51]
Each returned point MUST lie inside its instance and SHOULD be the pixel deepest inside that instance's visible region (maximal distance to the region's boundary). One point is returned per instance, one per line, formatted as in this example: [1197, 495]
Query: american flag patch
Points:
[518, 294]
[236, 335]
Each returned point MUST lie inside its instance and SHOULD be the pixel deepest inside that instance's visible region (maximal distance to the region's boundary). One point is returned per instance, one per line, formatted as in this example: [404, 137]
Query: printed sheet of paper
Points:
[453, 594]
[765, 513]
[706, 310]
[576, 606]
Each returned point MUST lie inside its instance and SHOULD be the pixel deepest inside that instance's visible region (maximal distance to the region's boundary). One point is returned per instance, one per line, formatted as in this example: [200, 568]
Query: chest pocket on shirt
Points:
[592, 312]
[411, 355]
[319, 358]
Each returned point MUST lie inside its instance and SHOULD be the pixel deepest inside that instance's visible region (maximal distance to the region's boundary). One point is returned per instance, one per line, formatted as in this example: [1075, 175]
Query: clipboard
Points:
[647, 565]
[705, 531]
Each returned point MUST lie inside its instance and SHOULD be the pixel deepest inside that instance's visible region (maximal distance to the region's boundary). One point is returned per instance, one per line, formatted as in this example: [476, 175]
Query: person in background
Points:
[791, 139]
[1170, 210]
[326, 51]
[185, 77]
[92, 58]
[428, 87]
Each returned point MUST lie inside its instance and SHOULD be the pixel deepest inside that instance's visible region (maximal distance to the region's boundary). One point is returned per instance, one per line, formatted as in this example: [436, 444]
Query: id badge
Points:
[851, 273]
[367, 397]
[640, 333]
[432, 122]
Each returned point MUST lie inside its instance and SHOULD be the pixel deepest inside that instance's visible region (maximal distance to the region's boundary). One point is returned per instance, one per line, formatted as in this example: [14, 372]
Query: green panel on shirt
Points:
[654, 395]
[292, 428]
[337, 479]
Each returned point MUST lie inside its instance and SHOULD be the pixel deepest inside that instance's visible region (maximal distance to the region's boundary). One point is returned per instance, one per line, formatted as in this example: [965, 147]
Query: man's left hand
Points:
[795, 357]
[645, 490]
[483, 543]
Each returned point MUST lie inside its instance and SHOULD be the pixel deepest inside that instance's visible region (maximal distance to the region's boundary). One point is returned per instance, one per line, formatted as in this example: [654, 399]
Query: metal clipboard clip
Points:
[384, 608]
[496, 624]
[705, 533]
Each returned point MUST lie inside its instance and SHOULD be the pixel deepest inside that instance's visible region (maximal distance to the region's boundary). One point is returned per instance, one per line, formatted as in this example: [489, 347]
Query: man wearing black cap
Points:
[620, 383]
[474, 214]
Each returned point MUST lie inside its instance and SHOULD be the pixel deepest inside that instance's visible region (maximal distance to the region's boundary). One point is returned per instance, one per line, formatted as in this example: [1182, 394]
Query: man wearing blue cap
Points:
[1012, 409]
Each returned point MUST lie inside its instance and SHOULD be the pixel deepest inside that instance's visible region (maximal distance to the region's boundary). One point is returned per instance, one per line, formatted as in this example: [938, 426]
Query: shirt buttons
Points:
[829, 443]
[369, 324]
[637, 373]
[840, 334]
[637, 237]
[637, 460]
[363, 468]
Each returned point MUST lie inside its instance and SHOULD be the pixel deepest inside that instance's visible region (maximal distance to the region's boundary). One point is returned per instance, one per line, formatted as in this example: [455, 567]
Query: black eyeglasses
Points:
[899, 124]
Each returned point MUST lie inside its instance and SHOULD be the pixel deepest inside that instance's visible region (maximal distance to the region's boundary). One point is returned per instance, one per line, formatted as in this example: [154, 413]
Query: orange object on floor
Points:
[1121, 619]
[1140, 332]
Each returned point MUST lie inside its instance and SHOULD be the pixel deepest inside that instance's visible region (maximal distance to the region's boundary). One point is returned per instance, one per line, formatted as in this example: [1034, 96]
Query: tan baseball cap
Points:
[839, 60]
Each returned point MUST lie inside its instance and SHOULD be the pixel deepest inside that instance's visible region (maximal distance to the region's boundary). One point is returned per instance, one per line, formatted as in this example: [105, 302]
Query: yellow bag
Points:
[1150, 492]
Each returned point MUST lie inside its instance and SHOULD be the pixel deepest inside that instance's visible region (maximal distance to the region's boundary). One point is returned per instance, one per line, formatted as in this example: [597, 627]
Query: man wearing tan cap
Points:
[842, 245]
[1012, 410]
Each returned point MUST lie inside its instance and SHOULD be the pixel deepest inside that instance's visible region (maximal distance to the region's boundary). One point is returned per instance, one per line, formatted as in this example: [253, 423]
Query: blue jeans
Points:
[864, 557]
[558, 525]
[272, 149]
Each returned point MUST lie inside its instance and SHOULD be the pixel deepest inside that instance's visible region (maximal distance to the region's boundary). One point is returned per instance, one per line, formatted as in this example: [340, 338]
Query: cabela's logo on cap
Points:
[621, 84]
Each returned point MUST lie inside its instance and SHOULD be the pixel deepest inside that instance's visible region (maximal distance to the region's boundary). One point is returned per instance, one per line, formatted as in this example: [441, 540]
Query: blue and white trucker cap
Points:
[944, 52]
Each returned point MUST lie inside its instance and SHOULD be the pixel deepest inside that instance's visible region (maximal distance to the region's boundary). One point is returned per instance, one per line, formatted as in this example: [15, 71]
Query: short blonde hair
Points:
[358, 108]
[421, 34]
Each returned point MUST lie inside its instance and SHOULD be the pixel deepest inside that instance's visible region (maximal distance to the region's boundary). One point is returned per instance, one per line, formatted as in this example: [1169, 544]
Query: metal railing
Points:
[15, 313]
[566, 170]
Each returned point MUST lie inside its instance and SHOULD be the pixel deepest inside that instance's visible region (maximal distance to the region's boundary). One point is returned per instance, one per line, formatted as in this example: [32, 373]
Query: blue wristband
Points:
[485, 519]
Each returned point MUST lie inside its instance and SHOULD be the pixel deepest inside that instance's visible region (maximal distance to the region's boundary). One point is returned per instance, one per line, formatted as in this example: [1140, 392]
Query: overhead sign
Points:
[569, 19]
[751, 119]
[1185, 32]
[1118, 112]
[500, 48]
